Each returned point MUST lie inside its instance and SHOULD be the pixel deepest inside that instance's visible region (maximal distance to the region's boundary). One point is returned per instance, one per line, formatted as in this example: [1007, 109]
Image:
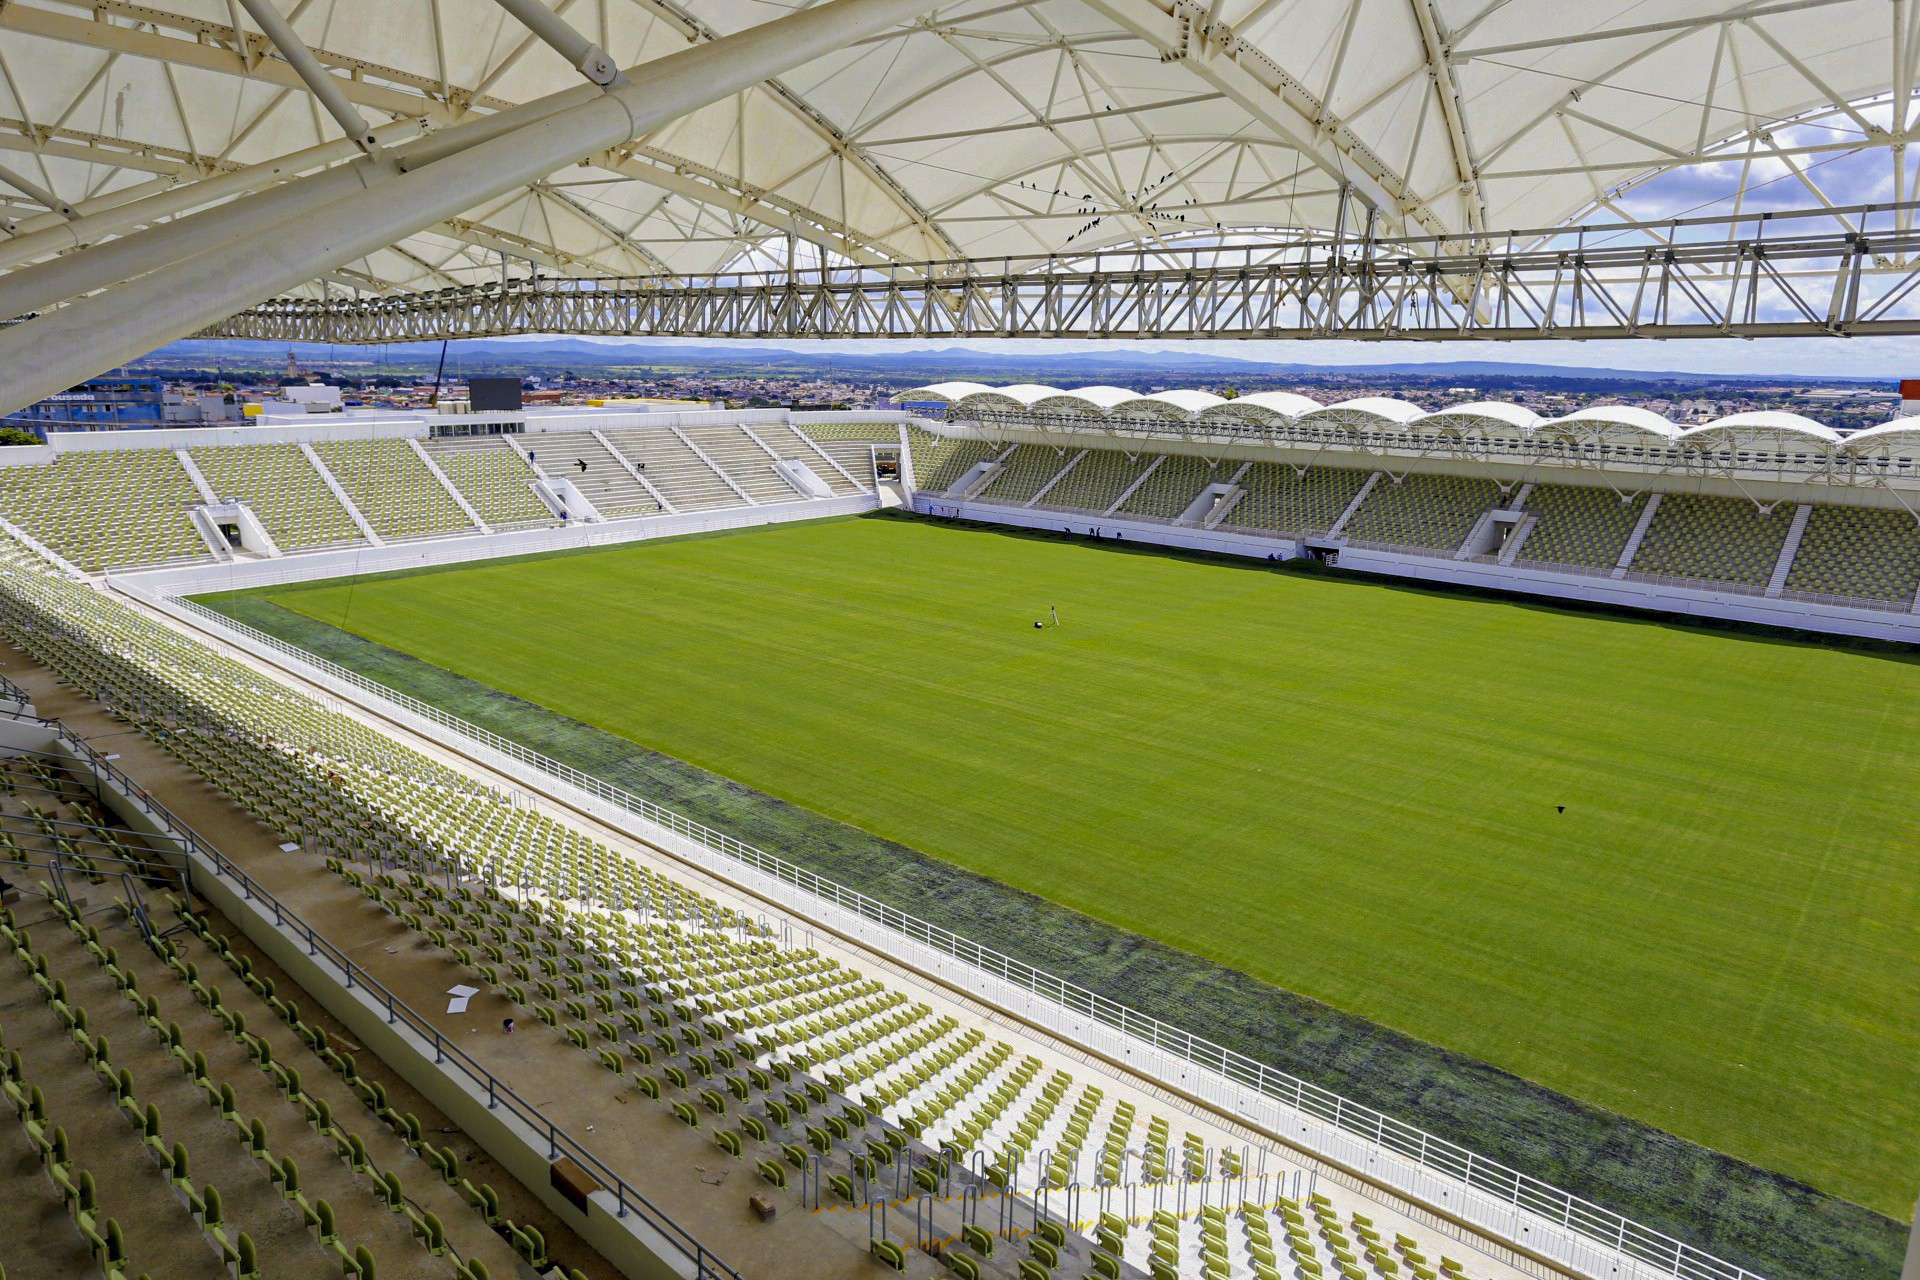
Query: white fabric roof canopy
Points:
[989, 128]
[1764, 429]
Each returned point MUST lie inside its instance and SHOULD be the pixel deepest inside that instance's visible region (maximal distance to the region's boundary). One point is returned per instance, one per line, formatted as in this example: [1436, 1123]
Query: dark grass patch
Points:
[1763, 1221]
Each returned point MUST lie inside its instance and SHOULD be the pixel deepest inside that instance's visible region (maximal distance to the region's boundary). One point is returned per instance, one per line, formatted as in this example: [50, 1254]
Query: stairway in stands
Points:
[609, 486]
[855, 457]
[686, 479]
[742, 458]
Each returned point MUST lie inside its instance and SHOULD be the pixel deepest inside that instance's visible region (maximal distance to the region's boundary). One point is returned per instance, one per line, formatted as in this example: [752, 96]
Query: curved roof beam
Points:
[222, 49]
[1016, 175]
[1482, 415]
[1900, 435]
[1440, 72]
[1764, 426]
[693, 30]
[1262, 405]
[178, 167]
[1375, 413]
[1749, 14]
[1229, 64]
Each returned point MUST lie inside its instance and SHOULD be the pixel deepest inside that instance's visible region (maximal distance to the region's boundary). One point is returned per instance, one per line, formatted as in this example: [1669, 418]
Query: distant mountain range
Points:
[581, 353]
[1071, 367]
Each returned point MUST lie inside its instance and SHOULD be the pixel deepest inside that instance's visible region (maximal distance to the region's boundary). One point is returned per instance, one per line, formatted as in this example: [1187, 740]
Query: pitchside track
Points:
[1668, 870]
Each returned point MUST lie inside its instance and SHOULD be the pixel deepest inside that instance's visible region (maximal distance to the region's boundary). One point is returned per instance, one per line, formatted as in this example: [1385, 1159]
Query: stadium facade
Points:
[1766, 518]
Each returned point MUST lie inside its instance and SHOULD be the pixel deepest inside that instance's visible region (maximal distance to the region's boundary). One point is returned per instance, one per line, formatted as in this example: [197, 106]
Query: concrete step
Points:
[162, 1237]
[38, 1239]
[218, 1155]
[676, 470]
[749, 465]
[323, 1174]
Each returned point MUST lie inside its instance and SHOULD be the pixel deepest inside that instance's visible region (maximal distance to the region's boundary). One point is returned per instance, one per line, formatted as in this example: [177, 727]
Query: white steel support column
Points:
[47, 283]
[52, 352]
[318, 80]
[27, 187]
[106, 215]
[586, 57]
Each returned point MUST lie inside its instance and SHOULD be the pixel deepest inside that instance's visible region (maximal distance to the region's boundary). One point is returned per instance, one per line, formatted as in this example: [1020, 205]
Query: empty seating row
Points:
[1172, 487]
[594, 469]
[1579, 525]
[1096, 481]
[494, 479]
[853, 456]
[393, 488]
[942, 466]
[108, 508]
[1699, 536]
[681, 475]
[739, 452]
[205, 1086]
[279, 484]
[876, 432]
[1024, 473]
[1858, 552]
[47, 813]
[1278, 498]
[79, 1193]
[1427, 510]
[844, 441]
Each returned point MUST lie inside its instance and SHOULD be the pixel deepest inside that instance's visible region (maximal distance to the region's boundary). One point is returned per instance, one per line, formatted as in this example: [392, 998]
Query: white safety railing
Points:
[201, 577]
[1525, 1211]
[447, 1054]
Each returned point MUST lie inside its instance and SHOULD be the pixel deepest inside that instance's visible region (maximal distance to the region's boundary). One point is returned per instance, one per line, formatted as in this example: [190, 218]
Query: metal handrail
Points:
[499, 1094]
[1601, 1227]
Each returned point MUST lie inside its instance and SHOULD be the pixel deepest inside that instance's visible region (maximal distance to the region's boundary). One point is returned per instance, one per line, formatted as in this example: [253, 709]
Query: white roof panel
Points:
[1047, 129]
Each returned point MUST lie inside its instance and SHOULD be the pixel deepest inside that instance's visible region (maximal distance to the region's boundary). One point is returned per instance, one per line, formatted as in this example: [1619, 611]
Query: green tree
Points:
[14, 435]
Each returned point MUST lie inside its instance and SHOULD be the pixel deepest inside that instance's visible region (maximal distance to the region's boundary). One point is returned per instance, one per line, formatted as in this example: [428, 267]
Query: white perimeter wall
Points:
[312, 429]
[1625, 593]
[197, 579]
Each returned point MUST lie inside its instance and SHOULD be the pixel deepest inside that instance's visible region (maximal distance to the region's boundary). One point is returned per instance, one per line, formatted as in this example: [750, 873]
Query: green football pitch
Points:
[1671, 871]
